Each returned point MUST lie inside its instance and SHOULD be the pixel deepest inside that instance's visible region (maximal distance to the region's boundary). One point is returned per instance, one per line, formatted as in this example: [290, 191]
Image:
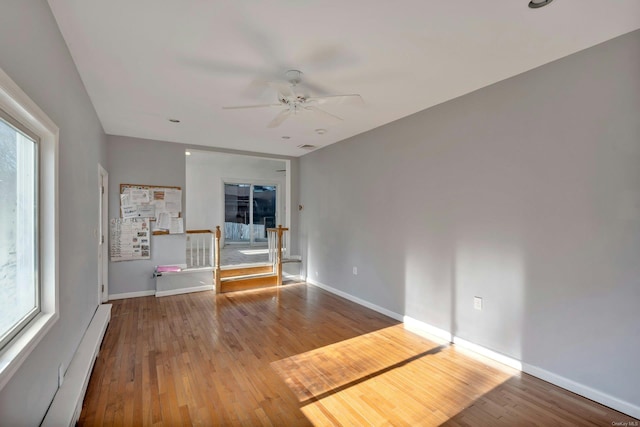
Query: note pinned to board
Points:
[177, 226]
[147, 211]
[138, 195]
[129, 211]
[169, 224]
[164, 221]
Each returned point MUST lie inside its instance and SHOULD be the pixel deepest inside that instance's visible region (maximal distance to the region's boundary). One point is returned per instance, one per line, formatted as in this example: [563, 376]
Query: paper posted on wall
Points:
[177, 226]
[166, 222]
[130, 239]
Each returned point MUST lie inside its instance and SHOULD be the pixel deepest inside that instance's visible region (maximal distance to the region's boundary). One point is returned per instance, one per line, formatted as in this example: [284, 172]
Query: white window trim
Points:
[19, 106]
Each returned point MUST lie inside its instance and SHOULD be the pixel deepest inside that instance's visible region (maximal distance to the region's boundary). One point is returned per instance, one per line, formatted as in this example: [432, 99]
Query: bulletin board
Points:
[161, 204]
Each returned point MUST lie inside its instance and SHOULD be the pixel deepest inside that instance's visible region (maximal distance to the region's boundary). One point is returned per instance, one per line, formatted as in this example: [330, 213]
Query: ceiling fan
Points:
[295, 102]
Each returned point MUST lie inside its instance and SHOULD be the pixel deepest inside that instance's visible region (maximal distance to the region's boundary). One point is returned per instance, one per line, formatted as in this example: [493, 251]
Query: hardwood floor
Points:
[297, 355]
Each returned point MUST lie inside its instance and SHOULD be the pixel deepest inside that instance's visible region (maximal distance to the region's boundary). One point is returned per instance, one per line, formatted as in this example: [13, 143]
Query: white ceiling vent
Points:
[307, 147]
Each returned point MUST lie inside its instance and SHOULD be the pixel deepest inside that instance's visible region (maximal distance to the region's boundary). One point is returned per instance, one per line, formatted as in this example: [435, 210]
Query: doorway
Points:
[249, 210]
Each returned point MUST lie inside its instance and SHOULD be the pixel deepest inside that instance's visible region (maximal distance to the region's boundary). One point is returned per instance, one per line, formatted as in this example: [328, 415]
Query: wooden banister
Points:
[218, 270]
[279, 233]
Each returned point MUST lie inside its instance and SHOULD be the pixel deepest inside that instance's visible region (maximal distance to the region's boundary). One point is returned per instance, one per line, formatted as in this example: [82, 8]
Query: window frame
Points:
[24, 322]
[21, 109]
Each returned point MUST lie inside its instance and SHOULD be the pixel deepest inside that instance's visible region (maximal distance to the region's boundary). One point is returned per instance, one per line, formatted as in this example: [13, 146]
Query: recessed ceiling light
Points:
[534, 4]
[321, 131]
[187, 153]
[286, 137]
[174, 120]
[307, 146]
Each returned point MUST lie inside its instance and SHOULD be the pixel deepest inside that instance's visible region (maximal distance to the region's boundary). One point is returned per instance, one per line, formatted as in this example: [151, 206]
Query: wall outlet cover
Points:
[60, 375]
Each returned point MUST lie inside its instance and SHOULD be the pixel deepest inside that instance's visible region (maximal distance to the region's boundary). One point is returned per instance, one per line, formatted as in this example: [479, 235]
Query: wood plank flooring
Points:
[297, 355]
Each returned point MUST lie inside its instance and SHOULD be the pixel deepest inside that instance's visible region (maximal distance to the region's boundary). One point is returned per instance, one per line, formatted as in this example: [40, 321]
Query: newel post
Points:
[280, 232]
[218, 233]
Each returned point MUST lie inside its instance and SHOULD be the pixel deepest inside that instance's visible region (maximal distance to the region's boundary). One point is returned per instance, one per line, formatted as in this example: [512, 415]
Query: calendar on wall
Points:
[130, 239]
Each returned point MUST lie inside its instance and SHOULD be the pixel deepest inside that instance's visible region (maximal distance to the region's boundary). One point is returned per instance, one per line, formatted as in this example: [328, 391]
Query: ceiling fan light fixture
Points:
[535, 4]
[294, 77]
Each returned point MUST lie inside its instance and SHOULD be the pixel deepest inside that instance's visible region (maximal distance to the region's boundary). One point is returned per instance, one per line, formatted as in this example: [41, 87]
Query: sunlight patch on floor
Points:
[254, 251]
[390, 375]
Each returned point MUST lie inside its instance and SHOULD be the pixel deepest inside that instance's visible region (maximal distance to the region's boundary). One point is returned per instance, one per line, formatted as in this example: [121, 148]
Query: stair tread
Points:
[243, 266]
[246, 276]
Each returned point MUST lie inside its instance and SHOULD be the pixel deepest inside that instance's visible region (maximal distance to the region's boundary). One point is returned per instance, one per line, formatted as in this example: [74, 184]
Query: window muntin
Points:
[19, 278]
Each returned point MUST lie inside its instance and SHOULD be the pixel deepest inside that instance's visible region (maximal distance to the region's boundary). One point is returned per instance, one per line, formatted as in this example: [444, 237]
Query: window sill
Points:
[19, 349]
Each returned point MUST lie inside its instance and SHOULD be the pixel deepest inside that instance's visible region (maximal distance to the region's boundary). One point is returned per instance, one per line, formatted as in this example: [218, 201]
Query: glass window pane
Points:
[19, 293]
[264, 211]
[236, 213]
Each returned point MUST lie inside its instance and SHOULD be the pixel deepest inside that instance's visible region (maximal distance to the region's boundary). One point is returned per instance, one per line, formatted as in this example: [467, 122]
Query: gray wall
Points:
[146, 162]
[34, 55]
[525, 193]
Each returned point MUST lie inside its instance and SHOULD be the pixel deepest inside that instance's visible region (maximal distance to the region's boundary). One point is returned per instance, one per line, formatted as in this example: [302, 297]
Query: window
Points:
[19, 284]
[28, 226]
[249, 210]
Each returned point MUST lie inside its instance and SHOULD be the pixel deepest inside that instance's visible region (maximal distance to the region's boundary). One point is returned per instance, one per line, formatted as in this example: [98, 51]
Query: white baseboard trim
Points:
[357, 300]
[184, 290]
[67, 402]
[491, 354]
[437, 334]
[426, 330]
[132, 295]
[429, 331]
[583, 390]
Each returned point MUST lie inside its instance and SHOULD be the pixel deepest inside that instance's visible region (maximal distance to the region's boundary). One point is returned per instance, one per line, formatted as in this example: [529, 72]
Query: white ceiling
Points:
[146, 61]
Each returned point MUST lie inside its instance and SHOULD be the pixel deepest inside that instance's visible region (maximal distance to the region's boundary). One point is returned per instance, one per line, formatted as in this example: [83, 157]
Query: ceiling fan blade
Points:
[322, 113]
[256, 88]
[350, 99]
[284, 90]
[327, 57]
[314, 87]
[239, 107]
[284, 114]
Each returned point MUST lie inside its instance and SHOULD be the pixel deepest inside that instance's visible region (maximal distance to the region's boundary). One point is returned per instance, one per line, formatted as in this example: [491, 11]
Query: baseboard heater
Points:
[178, 279]
[67, 402]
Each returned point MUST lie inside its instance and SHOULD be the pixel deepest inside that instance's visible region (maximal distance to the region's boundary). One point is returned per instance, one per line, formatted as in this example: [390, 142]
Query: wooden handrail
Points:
[199, 231]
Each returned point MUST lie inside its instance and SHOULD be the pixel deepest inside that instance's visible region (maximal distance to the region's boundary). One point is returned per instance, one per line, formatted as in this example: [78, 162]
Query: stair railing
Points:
[275, 244]
[200, 248]
[218, 270]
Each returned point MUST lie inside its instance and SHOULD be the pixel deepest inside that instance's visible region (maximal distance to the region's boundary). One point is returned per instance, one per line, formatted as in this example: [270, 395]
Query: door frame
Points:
[250, 181]
[103, 234]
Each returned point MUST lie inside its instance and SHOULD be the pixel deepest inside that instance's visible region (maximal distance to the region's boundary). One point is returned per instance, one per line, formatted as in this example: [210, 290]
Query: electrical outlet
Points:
[60, 375]
[355, 271]
[477, 303]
